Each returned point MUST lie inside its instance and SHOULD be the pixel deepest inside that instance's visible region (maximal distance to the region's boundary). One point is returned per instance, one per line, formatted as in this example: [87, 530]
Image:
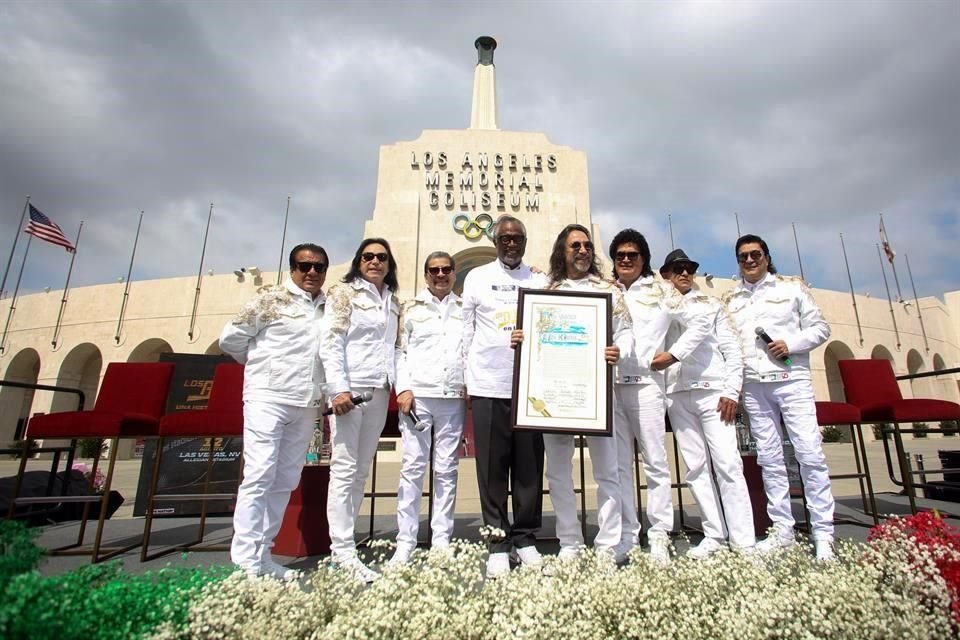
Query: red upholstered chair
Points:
[132, 398]
[838, 414]
[872, 387]
[222, 418]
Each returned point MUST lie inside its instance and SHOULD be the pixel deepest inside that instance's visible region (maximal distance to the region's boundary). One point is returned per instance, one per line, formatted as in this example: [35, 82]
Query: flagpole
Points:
[13, 301]
[283, 241]
[670, 224]
[736, 218]
[886, 285]
[916, 301]
[196, 295]
[126, 288]
[796, 243]
[13, 249]
[890, 256]
[853, 296]
[66, 288]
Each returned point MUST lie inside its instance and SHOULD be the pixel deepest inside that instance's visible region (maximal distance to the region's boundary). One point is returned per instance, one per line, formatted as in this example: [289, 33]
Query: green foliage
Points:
[18, 553]
[881, 431]
[950, 427]
[95, 601]
[90, 447]
[920, 429]
[832, 433]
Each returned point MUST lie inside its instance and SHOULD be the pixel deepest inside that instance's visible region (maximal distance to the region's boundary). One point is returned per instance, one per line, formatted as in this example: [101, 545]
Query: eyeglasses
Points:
[510, 238]
[369, 256]
[681, 267]
[445, 270]
[754, 255]
[629, 256]
[304, 267]
[586, 246]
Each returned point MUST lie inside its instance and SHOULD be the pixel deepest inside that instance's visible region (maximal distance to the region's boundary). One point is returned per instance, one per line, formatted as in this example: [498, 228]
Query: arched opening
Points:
[150, 350]
[946, 386]
[214, 349]
[880, 352]
[15, 403]
[468, 260]
[835, 352]
[81, 370]
[919, 387]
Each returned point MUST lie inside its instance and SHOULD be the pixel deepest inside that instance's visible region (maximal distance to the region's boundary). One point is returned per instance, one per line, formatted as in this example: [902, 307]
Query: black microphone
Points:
[767, 340]
[366, 396]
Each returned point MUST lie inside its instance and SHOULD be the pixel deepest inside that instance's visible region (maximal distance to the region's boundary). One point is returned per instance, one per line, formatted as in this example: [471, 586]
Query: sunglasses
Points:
[754, 255]
[368, 256]
[445, 270]
[508, 239]
[586, 245]
[629, 256]
[681, 267]
[304, 267]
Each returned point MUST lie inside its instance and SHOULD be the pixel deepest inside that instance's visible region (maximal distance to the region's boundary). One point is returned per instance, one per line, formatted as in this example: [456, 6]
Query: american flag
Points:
[46, 229]
[885, 243]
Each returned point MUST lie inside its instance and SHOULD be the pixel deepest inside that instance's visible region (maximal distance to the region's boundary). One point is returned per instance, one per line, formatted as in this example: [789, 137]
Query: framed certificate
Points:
[561, 380]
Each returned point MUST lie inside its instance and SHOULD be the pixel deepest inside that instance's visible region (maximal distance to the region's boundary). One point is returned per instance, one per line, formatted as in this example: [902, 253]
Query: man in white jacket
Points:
[430, 387]
[779, 325]
[505, 458]
[703, 391]
[276, 336]
[574, 267]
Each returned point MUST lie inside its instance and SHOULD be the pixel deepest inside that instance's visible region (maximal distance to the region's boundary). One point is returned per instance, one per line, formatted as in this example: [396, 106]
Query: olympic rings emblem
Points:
[473, 229]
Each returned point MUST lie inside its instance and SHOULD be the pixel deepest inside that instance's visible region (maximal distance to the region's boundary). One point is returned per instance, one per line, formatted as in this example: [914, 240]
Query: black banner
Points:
[184, 465]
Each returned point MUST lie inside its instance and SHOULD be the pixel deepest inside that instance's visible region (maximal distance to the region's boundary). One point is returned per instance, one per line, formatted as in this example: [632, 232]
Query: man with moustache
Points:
[276, 337]
[777, 384]
[504, 457]
[703, 392]
[430, 387]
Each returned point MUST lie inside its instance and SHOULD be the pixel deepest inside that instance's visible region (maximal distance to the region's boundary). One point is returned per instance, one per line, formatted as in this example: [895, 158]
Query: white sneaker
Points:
[823, 551]
[401, 556]
[660, 549]
[569, 553]
[778, 539]
[277, 571]
[706, 548]
[498, 565]
[529, 556]
[354, 566]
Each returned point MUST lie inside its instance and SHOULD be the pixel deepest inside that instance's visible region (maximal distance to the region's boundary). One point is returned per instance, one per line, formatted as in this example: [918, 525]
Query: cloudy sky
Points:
[823, 114]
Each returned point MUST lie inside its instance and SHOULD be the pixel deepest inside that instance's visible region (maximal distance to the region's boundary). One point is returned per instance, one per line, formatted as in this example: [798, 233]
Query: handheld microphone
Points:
[767, 340]
[359, 398]
[419, 425]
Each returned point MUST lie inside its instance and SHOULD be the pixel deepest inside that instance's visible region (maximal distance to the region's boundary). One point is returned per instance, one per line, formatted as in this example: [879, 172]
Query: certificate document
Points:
[562, 383]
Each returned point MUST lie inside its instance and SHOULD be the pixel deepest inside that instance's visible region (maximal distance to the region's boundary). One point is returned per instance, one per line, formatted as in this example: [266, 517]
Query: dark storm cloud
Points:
[822, 114]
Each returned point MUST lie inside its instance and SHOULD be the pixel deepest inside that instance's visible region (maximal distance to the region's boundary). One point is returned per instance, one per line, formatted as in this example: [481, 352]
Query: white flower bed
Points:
[871, 592]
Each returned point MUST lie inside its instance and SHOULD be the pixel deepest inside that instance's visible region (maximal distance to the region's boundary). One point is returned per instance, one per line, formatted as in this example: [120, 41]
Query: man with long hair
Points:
[358, 349]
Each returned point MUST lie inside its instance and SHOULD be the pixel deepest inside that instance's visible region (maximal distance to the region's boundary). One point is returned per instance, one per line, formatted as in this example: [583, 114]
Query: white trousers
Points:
[275, 442]
[603, 456]
[766, 402]
[639, 411]
[355, 436]
[446, 416]
[705, 442]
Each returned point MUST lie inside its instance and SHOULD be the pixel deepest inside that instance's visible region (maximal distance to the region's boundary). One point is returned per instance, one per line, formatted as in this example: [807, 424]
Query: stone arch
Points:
[468, 260]
[80, 369]
[214, 349]
[919, 387]
[938, 362]
[880, 352]
[150, 350]
[15, 403]
[836, 351]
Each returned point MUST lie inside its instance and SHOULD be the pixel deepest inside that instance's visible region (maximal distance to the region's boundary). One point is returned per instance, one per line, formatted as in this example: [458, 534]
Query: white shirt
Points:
[654, 307]
[717, 362]
[490, 295]
[785, 309]
[360, 336]
[276, 336]
[430, 358]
